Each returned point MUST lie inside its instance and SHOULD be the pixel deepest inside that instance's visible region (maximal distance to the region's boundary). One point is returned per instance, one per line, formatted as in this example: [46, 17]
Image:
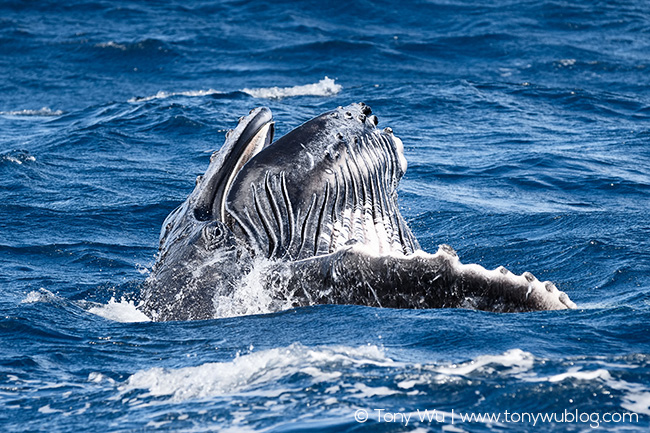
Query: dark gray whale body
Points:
[319, 207]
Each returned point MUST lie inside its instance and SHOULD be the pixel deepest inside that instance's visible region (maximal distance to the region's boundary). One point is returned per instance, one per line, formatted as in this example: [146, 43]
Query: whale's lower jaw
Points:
[417, 281]
[339, 214]
[355, 276]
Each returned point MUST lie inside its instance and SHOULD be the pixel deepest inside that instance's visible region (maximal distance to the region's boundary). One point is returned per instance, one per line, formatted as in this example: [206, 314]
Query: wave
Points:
[164, 95]
[112, 44]
[325, 87]
[335, 371]
[43, 112]
[147, 47]
[255, 372]
[41, 295]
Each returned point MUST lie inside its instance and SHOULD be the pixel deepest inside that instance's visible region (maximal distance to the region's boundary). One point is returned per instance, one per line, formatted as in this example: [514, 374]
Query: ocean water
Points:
[526, 126]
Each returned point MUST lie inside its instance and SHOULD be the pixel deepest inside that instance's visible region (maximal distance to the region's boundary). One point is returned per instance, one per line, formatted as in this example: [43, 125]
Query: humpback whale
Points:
[319, 206]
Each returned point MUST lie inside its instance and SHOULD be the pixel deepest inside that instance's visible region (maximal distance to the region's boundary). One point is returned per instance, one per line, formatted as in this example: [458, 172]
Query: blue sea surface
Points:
[526, 126]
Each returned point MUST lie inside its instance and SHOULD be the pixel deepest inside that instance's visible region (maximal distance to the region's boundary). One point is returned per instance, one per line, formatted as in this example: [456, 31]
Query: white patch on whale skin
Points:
[216, 258]
[345, 230]
[357, 229]
[312, 162]
[400, 153]
[558, 300]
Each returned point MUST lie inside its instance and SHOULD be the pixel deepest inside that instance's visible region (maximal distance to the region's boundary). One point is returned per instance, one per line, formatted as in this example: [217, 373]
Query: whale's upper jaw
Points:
[206, 203]
[252, 134]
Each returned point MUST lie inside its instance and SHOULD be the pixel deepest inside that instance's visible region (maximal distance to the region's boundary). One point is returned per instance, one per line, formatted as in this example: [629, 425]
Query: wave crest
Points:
[325, 87]
[164, 95]
[17, 157]
[252, 371]
[43, 112]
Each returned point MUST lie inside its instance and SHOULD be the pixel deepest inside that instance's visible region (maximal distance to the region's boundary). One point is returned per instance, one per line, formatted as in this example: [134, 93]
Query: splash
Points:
[123, 311]
[325, 87]
[41, 295]
[17, 157]
[250, 296]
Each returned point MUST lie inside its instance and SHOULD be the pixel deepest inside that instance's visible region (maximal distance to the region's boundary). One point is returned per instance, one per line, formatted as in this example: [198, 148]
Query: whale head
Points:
[198, 252]
[321, 204]
[329, 183]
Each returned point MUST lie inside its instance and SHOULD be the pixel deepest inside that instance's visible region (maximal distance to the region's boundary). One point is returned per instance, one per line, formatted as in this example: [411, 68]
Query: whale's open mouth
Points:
[253, 134]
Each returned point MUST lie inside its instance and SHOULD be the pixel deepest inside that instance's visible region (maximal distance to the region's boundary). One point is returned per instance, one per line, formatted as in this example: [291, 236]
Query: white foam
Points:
[42, 295]
[516, 359]
[111, 44]
[157, 425]
[325, 87]
[18, 160]
[452, 428]
[123, 311]
[408, 384]
[636, 397]
[47, 409]
[248, 373]
[43, 112]
[365, 391]
[164, 95]
[96, 377]
[637, 402]
[567, 62]
[581, 375]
